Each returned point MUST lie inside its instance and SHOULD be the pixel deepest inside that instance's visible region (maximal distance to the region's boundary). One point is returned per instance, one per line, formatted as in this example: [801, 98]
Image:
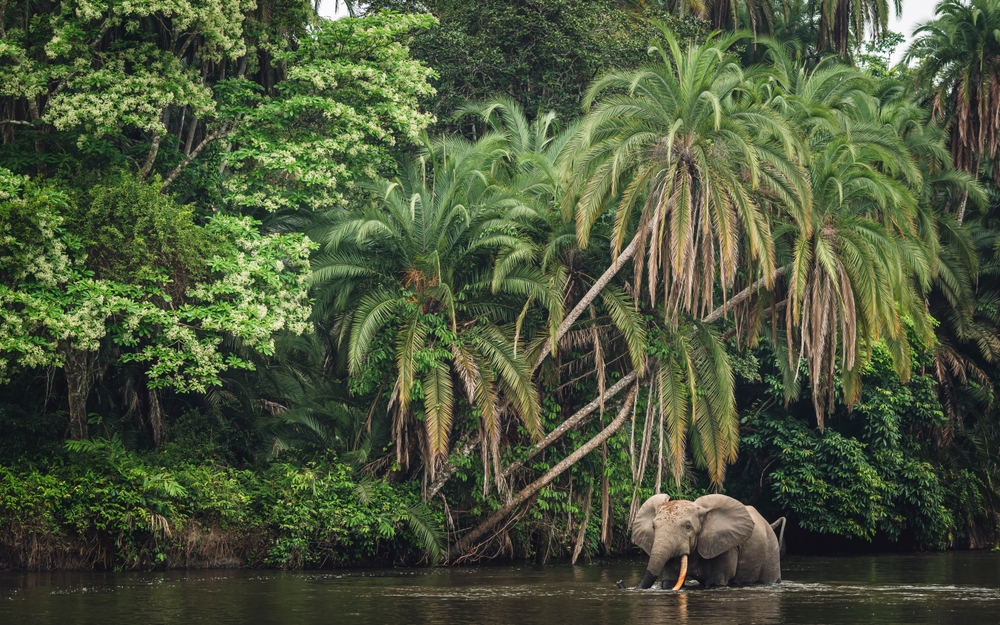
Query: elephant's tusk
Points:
[684, 572]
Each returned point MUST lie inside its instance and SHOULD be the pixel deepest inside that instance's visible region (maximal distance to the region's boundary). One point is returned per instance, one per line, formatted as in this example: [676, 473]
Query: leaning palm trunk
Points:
[448, 469]
[569, 423]
[588, 299]
[529, 491]
[532, 489]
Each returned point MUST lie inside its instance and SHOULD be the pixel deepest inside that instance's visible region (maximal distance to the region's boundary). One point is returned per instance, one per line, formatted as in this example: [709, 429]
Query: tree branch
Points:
[218, 134]
[532, 489]
[740, 297]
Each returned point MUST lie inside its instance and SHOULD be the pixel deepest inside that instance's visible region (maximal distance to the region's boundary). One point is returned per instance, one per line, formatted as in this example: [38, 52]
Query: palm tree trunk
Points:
[589, 298]
[581, 535]
[532, 489]
[569, 423]
[466, 447]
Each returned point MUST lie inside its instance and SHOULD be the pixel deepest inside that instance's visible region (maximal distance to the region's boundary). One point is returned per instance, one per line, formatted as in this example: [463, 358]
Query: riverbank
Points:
[102, 507]
[99, 506]
[193, 503]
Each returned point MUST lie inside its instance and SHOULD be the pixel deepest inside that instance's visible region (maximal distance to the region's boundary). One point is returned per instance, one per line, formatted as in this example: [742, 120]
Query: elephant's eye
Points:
[688, 527]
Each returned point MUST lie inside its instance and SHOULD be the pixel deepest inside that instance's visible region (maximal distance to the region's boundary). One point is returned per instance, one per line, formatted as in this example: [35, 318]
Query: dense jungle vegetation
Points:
[452, 281]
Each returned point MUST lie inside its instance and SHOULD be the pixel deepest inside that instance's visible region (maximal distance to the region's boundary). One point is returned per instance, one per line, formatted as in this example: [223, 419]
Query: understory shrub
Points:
[99, 505]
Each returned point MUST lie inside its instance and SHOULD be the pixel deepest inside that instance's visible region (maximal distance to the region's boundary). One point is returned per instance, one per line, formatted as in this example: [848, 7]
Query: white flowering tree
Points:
[55, 310]
[284, 108]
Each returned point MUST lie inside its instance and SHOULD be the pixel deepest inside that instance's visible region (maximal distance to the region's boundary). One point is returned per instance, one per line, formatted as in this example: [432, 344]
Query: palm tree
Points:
[534, 155]
[411, 273]
[839, 20]
[859, 270]
[687, 140]
[959, 54]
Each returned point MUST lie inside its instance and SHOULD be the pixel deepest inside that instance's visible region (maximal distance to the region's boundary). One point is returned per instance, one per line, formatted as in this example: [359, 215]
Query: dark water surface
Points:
[917, 588]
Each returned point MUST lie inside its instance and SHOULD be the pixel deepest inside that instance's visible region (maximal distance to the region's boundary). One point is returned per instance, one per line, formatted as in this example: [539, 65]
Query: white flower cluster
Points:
[130, 89]
[260, 286]
[10, 185]
[350, 93]
[218, 22]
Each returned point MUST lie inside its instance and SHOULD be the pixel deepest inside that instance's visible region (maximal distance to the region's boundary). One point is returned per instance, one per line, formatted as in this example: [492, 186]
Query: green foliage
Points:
[154, 514]
[542, 54]
[864, 475]
[877, 56]
[132, 233]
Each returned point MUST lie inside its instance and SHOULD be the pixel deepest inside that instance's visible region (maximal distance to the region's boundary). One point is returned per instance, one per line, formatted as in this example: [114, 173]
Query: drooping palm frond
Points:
[695, 392]
[683, 143]
[959, 56]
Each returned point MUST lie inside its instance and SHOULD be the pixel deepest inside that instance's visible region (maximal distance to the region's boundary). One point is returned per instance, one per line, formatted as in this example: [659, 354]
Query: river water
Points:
[913, 588]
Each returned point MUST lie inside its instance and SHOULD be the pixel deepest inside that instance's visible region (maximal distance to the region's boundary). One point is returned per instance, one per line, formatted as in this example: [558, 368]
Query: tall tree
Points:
[959, 55]
[698, 165]
[841, 21]
[137, 277]
[858, 271]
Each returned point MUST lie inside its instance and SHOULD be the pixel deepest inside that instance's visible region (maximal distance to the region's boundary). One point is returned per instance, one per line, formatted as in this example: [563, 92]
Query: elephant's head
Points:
[709, 525]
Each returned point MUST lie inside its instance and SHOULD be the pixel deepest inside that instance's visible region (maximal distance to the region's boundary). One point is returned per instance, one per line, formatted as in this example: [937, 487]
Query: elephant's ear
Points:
[642, 527]
[726, 525]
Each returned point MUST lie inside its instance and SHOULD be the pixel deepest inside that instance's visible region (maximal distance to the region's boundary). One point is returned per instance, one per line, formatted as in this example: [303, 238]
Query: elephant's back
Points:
[760, 559]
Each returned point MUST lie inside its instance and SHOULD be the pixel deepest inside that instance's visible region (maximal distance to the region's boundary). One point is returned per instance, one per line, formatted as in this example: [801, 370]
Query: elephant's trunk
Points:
[665, 548]
[683, 574]
[647, 581]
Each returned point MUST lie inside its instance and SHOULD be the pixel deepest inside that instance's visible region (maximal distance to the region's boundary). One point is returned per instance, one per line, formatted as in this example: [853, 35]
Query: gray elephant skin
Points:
[714, 539]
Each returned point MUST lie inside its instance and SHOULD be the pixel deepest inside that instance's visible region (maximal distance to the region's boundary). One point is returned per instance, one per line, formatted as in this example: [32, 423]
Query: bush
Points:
[100, 506]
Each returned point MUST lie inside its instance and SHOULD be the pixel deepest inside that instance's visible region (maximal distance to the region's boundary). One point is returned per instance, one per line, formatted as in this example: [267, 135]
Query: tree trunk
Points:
[154, 148]
[588, 299]
[961, 209]
[532, 489]
[745, 294]
[156, 425]
[569, 423]
[581, 535]
[79, 374]
[606, 534]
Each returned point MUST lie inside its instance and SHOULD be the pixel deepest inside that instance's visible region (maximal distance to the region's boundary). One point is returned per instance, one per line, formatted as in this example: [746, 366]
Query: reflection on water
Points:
[918, 588]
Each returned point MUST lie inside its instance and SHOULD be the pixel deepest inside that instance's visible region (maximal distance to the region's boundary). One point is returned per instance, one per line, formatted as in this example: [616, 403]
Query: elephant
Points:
[715, 539]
